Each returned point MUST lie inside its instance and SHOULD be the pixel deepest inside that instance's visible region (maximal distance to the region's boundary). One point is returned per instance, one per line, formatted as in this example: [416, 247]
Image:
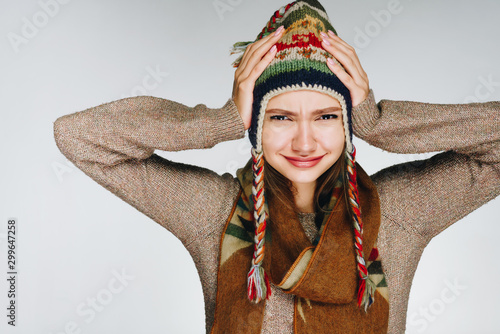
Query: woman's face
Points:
[302, 134]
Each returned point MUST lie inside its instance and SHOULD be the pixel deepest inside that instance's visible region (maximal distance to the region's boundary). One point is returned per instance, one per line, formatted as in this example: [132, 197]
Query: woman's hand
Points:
[255, 60]
[353, 76]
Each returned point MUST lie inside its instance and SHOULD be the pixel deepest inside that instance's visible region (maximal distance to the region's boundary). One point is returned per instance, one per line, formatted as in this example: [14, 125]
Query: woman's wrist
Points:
[365, 116]
[228, 124]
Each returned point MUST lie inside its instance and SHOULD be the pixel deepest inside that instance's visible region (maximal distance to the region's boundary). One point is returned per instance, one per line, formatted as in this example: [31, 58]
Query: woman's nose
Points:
[304, 141]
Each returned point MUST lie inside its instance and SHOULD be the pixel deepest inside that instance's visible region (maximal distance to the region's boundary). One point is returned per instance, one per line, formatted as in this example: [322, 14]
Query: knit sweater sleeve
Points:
[428, 196]
[114, 144]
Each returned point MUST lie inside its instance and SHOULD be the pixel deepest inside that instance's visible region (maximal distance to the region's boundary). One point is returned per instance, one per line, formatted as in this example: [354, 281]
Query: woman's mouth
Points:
[304, 162]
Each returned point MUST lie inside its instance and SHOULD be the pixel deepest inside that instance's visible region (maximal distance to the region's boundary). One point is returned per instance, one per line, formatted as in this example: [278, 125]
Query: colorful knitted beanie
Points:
[299, 64]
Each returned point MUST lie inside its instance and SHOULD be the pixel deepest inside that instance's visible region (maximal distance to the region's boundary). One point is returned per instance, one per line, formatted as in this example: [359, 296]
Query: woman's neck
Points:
[304, 196]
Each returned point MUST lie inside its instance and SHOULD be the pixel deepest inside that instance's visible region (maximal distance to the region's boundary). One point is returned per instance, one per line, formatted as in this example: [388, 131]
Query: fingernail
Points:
[330, 61]
[278, 31]
[331, 32]
[273, 49]
[326, 41]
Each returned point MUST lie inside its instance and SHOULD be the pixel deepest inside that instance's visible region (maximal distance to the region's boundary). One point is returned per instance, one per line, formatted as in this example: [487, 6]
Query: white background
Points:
[73, 234]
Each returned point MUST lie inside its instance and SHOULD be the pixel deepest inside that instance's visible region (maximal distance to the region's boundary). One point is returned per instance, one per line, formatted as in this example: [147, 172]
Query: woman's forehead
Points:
[302, 100]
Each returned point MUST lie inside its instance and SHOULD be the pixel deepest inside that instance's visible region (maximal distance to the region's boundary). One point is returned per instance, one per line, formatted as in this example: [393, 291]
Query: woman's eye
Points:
[331, 116]
[279, 117]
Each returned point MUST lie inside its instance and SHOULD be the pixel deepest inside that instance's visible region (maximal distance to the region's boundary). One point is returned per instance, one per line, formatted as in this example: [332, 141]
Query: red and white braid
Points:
[366, 287]
[257, 281]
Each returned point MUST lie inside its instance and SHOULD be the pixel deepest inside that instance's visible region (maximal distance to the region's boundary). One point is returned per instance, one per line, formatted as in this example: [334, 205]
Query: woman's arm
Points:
[114, 144]
[420, 199]
[417, 127]
[431, 195]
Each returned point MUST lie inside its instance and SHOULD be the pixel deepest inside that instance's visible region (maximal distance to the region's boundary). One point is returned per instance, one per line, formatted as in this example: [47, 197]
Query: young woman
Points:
[303, 240]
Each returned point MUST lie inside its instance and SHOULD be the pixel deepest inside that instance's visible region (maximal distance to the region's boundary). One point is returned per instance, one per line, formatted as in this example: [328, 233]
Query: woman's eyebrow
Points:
[315, 112]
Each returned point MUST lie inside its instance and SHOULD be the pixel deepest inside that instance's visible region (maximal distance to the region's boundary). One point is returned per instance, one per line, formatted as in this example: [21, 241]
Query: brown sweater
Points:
[114, 144]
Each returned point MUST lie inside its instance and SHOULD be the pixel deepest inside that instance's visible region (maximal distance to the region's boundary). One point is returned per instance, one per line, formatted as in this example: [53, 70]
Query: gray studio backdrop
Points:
[87, 262]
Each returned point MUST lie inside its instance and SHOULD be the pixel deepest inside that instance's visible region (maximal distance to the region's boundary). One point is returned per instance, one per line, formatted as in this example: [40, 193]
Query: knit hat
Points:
[299, 64]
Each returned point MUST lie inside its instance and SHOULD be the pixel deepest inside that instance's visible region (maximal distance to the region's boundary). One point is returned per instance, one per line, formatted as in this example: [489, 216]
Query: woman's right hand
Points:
[256, 58]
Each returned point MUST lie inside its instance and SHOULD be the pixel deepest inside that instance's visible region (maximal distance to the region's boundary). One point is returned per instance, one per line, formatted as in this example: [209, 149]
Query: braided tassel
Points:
[366, 286]
[258, 282]
[271, 26]
[239, 47]
[274, 20]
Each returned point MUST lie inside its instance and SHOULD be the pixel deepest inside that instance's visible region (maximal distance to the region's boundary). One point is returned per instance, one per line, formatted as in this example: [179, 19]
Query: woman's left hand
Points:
[353, 76]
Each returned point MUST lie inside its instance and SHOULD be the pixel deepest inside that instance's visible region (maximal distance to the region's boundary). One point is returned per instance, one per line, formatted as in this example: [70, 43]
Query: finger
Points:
[358, 91]
[249, 81]
[346, 79]
[263, 63]
[257, 50]
[246, 86]
[348, 47]
[254, 45]
[347, 56]
[338, 39]
[348, 61]
[253, 72]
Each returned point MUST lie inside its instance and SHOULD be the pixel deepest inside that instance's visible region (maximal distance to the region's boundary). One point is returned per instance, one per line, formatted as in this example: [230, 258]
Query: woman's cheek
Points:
[276, 137]
[333, 138]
